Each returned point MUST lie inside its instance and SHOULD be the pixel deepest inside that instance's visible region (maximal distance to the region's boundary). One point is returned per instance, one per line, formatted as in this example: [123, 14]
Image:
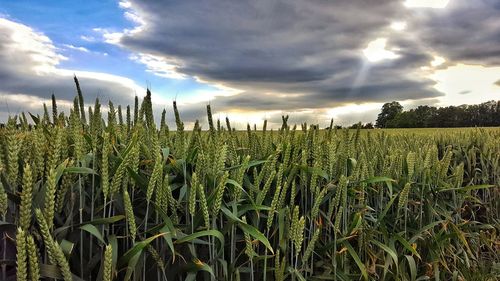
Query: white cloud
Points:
[109, 36]
[87, 38]
[34, 73]
[81, 49]
[114, 37]
[160, 66]
[35, 46]
[125, 4]
[134, 18]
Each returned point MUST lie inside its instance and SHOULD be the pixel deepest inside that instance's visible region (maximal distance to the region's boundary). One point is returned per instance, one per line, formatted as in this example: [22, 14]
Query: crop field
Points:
[110, 195]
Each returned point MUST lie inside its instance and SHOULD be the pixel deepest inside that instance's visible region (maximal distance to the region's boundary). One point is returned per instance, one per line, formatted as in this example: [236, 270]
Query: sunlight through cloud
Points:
[438, 61]
[376, 51]
[398, 25]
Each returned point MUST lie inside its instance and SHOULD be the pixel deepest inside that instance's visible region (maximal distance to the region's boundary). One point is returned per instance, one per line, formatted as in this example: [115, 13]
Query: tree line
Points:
[486, 114]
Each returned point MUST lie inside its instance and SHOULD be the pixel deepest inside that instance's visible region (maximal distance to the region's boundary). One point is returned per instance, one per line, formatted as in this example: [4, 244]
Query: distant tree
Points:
[361, 126]
[356, 125]
[424, 116]
[447, 117]
[497, 113]
[486, 114]
[368, 125]
[405, 119]
[389, 111]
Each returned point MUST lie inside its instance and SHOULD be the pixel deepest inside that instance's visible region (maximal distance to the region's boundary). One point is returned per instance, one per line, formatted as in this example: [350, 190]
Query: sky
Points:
[251, 60]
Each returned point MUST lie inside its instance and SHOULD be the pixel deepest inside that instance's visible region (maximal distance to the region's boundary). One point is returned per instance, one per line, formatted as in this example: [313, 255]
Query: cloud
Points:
[33, 74]
[299, 55]
[81, 49]
[465, 31]
[277, 54]
[159, 66]
[376, 51]
[124, 4]
[87, 38]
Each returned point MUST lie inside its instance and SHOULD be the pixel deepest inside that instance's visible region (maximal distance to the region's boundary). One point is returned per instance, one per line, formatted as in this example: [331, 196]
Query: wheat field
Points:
[112, 196]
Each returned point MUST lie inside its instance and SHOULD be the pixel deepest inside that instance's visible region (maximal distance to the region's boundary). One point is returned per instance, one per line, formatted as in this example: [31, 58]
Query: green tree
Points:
[389, 111]
[405, 119]
[424, 115]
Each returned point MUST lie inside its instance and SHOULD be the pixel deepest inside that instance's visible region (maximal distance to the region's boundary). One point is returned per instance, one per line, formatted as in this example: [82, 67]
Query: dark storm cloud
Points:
[332, 98]
[465, 31]
[295, 55]
[309, 50]
[357, 83]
